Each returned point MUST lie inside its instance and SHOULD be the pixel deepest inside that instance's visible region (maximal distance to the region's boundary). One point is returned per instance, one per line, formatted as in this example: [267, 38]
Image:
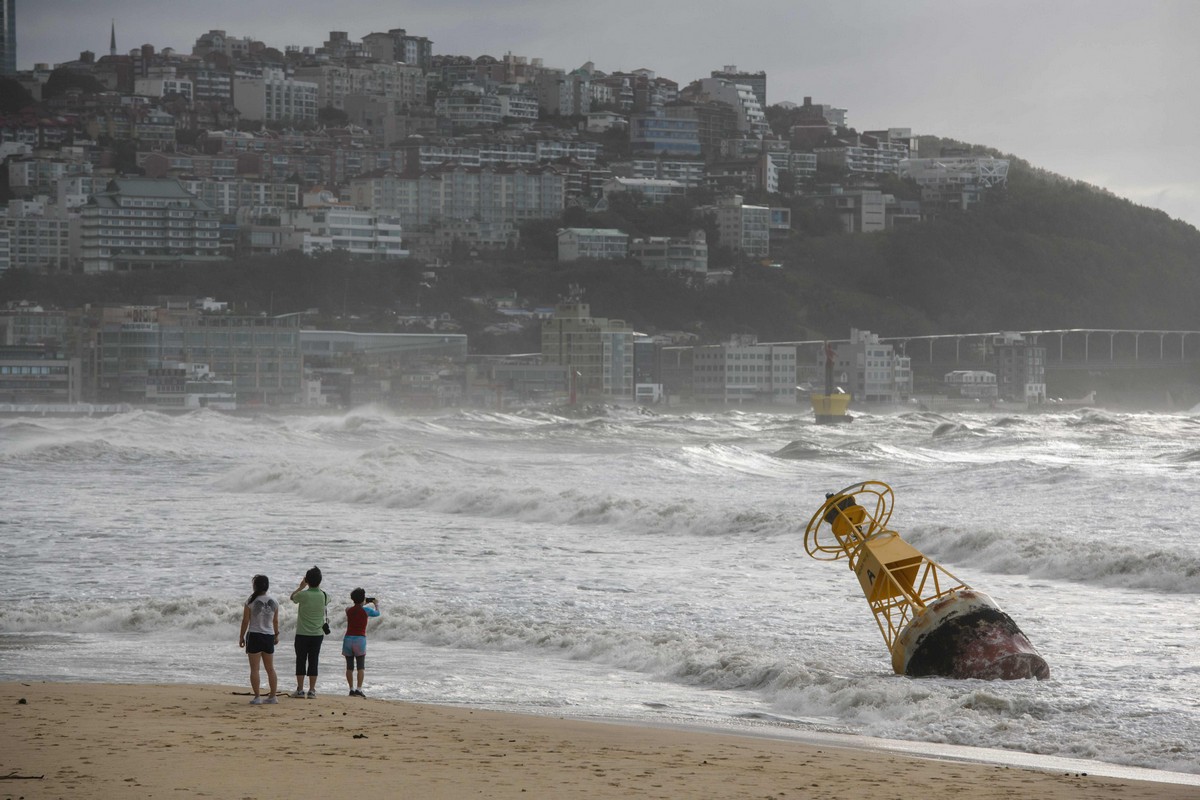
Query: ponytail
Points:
[261, 584]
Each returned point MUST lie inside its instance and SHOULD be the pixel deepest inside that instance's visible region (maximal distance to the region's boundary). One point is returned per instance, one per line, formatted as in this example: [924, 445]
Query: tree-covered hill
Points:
[1044, 252]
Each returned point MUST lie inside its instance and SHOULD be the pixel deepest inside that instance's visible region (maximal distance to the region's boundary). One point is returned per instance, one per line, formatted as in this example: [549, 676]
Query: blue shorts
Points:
[260, 643]
[354, 646]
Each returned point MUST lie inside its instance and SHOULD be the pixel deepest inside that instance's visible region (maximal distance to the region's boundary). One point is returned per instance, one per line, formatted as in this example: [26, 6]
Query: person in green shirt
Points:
[310, 630]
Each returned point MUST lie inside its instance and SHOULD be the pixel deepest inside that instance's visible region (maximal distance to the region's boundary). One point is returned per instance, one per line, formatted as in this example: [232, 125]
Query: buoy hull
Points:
[830, 409]
[966, 635]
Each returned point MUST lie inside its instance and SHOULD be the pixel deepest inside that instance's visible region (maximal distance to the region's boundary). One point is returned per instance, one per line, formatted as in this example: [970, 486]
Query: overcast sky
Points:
[1103, 91]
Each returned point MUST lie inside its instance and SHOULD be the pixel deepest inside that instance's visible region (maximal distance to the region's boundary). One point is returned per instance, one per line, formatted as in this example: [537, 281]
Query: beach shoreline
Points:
[134, 740]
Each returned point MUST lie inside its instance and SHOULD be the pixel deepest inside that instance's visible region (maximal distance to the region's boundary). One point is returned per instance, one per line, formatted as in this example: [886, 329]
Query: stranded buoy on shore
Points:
[932, 622]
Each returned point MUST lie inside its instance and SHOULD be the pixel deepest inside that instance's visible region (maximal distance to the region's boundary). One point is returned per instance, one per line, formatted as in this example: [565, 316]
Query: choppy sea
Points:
[624, 565]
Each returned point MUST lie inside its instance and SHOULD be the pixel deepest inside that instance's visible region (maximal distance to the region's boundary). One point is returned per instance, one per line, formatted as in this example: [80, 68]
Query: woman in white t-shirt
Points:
[259, 635]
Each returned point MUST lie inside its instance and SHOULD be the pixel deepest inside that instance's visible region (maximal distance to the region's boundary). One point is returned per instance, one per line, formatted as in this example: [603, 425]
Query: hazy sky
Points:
[1104, 91]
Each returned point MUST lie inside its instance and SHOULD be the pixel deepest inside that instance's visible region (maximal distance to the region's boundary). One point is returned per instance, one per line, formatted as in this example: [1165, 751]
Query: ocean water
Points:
[624, 565]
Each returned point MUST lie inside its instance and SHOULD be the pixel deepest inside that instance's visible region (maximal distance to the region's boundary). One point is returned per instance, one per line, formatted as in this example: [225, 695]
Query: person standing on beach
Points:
[259, 635]
[311, 627]
[354, 643]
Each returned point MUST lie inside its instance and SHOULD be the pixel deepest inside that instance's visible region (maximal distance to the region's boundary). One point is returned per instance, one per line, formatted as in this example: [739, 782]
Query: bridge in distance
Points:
[1066, 349]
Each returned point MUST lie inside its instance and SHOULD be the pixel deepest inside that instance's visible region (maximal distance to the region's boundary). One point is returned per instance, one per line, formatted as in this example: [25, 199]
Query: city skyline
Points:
[1097, 91]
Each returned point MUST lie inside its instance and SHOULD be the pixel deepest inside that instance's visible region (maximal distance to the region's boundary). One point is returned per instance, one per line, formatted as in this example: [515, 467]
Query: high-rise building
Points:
[598, 352]
[1020, 367]
[8, 40]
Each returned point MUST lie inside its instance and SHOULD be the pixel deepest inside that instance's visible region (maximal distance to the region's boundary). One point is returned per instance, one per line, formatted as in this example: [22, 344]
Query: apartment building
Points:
[973, 384]
[461, 193]
[516, 105]
[139, 223]
[208, 85]
[38, 373]
[30, 175]
[448, 236]
[166, 86]
[653, 191]
[598, 352]
[567, 94]
[688, 171]
[859, 210]
[228, 195]
[397, 45]
[468, 106]
[746, 228]
[1020, 368]
[863, 155]
[33, 325]
[335, 82]
[217, 41]
[40, 237]
[602, 243]
[688, 255]
[757, 81]
[751, 119]
[427, 155]
[154, 129]
[744, 371]
[274, 97]
[261, 355]
[774, 166]
[365, 234]
[870, 370]
[667, 130]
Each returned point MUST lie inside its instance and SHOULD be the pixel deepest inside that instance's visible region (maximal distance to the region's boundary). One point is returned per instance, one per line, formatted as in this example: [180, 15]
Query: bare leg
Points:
[255, 660]
[272, 679]
[361, 672]
[349, 677]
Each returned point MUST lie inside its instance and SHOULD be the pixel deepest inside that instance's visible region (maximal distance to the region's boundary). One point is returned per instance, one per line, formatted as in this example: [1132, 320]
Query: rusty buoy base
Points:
[966, 635]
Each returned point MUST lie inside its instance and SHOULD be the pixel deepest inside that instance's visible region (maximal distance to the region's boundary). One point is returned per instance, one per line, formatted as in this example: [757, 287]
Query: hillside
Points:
[1043, 253]
[1040, 254]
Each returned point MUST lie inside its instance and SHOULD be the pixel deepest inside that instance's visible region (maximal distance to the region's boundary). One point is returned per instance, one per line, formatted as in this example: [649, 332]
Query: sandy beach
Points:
[123, 741]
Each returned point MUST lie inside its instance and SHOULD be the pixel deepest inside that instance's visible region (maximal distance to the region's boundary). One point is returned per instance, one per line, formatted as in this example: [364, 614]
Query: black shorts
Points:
[260, 643]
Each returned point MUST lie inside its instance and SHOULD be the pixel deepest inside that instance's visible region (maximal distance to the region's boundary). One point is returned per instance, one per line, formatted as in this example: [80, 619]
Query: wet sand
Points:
[74, 740]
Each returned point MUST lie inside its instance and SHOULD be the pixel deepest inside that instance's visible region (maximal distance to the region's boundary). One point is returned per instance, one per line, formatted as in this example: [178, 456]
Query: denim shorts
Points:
[260, 643]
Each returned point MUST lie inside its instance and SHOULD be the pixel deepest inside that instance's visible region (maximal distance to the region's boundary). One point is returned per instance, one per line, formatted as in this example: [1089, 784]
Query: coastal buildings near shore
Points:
[183, 354]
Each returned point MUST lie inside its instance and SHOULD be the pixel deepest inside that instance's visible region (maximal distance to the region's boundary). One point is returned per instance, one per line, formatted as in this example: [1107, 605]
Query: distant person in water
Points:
[354, 643]
[259, 635]
[311, 627]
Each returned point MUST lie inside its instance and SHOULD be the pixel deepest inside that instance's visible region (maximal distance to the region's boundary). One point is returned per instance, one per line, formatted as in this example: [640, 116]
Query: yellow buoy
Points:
[932, 622]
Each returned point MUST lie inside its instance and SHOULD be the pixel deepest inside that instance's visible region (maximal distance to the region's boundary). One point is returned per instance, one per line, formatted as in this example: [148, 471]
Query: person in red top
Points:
[354, 643]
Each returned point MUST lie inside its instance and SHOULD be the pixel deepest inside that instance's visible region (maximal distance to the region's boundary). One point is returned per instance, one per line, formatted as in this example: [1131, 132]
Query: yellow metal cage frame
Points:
[898, 580]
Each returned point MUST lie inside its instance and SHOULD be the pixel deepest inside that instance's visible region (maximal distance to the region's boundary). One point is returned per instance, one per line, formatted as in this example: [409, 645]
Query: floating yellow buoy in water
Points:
[932, 623]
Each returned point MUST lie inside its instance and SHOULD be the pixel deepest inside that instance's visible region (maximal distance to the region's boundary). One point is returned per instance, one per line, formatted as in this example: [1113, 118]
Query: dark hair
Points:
[313, 577]
[358, 595]
[261, 584]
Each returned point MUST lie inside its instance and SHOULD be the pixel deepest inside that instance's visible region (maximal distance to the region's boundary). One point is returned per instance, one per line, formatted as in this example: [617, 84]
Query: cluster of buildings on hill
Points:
[182, 354]
[383, 149]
